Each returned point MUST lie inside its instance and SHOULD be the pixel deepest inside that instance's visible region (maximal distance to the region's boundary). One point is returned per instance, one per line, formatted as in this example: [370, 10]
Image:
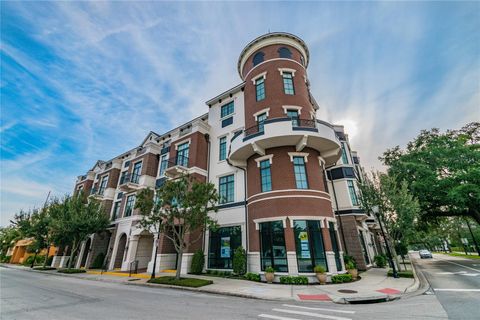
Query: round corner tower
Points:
[284, 150]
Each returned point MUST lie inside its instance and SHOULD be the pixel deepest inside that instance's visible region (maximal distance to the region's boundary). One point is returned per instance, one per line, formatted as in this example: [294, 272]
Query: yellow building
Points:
[20, 254]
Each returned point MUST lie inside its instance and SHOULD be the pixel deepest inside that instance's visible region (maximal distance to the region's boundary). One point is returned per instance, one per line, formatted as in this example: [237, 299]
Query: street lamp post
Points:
[376, 211]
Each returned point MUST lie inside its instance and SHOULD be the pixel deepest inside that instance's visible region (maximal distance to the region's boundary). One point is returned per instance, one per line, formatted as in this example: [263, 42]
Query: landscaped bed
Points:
[401, 274]
[72, 271]
[42, 268]
[182, 282]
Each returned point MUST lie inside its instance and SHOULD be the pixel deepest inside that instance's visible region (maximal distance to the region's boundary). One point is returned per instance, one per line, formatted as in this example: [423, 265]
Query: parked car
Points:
[425, 254]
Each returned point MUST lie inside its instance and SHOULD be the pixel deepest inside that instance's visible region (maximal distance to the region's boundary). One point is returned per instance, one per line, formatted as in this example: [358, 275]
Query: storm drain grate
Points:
[347, 291]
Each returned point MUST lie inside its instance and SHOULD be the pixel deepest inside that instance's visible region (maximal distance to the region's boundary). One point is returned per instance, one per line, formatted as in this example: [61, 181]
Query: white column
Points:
[131, 253]
[111, 264]
[331, 263]
[150, 264]
[80, 255]
[292, 262]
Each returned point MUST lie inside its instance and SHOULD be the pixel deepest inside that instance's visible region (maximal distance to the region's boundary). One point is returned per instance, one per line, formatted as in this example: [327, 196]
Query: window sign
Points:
[305, 249]
[225, 247]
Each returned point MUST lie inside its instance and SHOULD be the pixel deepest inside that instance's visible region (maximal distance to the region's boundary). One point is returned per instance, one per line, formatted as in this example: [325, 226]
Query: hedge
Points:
[401, 274]
[198, 261]
[294, 280]
[252, 276]
[341, 278]
[72, 270]
[182, 282]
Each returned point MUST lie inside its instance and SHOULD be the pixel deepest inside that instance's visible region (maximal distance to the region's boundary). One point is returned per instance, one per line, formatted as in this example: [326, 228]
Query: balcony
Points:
[97, 193]
[130, 182]
[278, 132]
[176, 167]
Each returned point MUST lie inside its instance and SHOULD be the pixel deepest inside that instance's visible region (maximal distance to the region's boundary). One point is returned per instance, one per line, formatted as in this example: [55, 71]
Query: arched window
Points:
[284, 53]
[258, 57]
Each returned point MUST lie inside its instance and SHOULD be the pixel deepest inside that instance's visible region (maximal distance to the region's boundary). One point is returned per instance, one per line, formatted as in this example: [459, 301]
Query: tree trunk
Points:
[475, 214]
[34, 258]
[179, 263]
[155, 260]
[72, 254]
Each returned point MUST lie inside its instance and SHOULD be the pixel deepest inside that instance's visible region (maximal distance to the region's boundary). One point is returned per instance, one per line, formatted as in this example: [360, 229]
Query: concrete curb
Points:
[420, 286]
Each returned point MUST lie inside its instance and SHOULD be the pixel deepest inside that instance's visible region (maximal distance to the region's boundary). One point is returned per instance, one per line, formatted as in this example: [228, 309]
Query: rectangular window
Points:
[122, 177]
[353, 193]
[344, 154]
[226, 189]
[309, 245]
[223, 149]
[163, 165]
[129, 206]
[103, 185]
[137, 170]
[293, 114]
[288, 83]
[222, 245]
[300, 172]
[182, 154]
[265, 176]
[227, 109]
[227, 121]
[126, 164]
[336, 249]
[260, 88]
[273, 252]
[116, 209]
[261, 121]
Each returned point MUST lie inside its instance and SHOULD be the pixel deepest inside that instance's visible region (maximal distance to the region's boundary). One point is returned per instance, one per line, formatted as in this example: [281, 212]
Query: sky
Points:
[82, 81]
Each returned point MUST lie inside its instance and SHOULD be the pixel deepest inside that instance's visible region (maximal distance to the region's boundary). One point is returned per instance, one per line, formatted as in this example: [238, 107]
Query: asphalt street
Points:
[456, 284]
[32, 295]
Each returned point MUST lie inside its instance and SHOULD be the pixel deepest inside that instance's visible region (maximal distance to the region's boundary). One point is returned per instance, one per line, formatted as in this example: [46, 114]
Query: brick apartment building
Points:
[263, 147]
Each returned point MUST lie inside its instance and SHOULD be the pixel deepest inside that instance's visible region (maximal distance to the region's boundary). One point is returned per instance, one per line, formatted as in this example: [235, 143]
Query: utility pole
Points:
[473, 237]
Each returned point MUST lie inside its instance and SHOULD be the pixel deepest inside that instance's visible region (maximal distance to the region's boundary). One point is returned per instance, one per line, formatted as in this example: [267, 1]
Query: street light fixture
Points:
[376, 211]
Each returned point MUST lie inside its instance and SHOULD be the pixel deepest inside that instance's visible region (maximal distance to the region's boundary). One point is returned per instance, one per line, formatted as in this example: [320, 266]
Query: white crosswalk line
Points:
[311, 314]
[269, 316]
[318, 309]
[459, 290]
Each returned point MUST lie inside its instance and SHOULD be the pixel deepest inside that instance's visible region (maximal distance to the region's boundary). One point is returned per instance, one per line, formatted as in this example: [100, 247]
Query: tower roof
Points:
[269, 39]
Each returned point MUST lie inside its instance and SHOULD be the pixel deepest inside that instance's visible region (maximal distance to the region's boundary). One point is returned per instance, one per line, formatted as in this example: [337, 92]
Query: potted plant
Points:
[269, 274]
[321, 274]
[350, 266]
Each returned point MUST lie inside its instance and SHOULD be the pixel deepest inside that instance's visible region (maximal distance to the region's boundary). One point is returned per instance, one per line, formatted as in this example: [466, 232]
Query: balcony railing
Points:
[259, 127]
[130, 177]
[176, 161]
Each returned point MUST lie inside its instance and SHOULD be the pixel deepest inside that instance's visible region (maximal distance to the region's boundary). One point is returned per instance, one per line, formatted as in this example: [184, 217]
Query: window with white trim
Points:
[288, 83]
[300, 172]
[226, 189]
[353, 193]
[260, 88]
[222, 149]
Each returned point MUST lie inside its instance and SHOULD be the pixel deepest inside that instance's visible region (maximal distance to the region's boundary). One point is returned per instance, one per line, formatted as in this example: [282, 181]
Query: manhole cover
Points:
[347, 291]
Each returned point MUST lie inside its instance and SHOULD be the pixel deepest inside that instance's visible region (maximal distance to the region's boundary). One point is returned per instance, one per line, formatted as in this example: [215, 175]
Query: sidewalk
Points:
[373, 285]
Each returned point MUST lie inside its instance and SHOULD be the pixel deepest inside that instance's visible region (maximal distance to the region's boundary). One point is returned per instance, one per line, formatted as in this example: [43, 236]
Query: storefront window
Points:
[273, 252]
[309, 245]
[336, 249]
[223, 243]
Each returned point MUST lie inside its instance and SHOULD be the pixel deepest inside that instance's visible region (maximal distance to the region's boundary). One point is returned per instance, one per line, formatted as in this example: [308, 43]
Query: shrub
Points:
[98, 262]
[41, 268]
[380, 261]
[49, 261]
[350, 265]
[319, 269]
[270, 270]
[294, 280]
[347, 259]
[401, 274]
[72, 270]
[239, 261]
[5, 259]
[182, 282]
[341, 278]
[252, 276]
[198, 262]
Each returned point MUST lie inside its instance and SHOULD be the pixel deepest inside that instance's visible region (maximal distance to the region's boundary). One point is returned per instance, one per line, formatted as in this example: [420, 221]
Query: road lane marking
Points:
[461, 265]
[459, 290]
[269, 316]
[318, 309]
[311, 314]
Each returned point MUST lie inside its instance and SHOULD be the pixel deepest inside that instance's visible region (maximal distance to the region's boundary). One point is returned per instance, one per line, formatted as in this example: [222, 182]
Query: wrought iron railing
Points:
[179, 160]
[130, 177]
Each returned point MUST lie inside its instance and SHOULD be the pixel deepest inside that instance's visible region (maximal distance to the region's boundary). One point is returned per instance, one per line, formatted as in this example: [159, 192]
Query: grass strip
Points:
[182, 282]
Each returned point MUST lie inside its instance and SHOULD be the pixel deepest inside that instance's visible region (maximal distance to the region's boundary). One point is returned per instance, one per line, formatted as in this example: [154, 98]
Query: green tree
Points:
[442, 171]
[8, 237]
[73, 221]
[398, 209]
[180, 207]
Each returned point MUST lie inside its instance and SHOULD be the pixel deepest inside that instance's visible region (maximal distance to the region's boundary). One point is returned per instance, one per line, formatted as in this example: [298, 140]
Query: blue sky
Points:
[82, 81]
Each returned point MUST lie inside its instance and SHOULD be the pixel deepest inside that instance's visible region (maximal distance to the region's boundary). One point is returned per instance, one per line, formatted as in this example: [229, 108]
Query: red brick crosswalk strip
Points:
[316, 297]
[389, 291]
